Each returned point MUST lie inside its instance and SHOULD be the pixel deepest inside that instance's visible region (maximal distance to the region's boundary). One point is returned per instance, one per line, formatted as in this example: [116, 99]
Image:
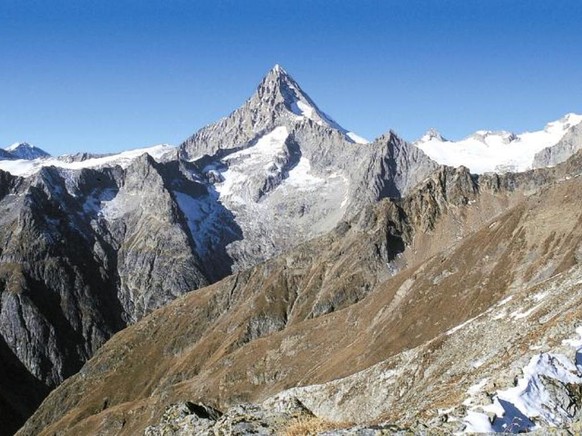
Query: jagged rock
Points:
[244, 419]
[280, 155]
[23, 150]
[404, 252]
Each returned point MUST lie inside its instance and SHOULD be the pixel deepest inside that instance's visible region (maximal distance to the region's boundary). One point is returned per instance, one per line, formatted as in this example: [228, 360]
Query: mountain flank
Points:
[374, 292]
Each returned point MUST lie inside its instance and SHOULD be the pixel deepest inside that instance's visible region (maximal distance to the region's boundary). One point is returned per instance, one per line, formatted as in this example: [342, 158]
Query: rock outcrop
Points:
[76, 266]
[280, 155]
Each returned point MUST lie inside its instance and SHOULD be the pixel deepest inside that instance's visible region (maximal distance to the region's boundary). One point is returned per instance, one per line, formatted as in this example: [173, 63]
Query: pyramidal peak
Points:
[17, 145]
[24, 150]
[278, 101]
[279, 89]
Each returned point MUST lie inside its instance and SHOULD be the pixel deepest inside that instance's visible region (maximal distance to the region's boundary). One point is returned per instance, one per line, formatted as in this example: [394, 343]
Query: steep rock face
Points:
[76, 267]
[278, 101]
[396, 277]
[280, 156]
[96, 242]
[155, 260]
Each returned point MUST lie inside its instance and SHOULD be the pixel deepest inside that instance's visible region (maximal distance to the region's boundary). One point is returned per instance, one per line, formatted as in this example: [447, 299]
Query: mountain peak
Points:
[278, 80]
[278, 69]
[277, 101]
[18, 145]
[279, 90]
[432, 134]
[24, 150]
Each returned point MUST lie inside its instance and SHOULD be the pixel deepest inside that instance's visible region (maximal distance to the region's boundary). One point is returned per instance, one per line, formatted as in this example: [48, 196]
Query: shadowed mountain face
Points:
[23, 150]
[81, 256]
[390, 283]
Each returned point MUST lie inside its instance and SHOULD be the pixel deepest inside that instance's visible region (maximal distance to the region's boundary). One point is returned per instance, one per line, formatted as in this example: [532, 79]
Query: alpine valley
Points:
[278, 274]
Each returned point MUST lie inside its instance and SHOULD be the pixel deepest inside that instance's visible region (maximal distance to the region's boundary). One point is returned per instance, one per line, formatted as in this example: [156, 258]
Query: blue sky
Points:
[103, 76]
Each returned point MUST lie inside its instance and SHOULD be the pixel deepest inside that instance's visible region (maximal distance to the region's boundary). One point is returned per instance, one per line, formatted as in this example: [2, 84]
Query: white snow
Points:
[301, 177]
[111, 208]
[261, 155]
[576, 343]
[477, 423]
[476, 388]
[486, 151]
[14, 146]
[303, 107]
[460, 326]
[519, 314]
[516, 407]
[203, 216]
[356, 138]
[27, 168]
[306, 110]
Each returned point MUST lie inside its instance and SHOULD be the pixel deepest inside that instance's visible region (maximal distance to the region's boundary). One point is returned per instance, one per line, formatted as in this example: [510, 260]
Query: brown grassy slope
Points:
[327, 309]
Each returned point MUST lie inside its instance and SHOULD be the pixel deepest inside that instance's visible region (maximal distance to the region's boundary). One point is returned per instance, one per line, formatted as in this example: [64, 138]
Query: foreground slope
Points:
[391, 283]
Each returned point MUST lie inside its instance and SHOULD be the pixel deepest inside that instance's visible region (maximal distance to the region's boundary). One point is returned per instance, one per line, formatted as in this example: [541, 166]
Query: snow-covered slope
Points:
[301, 105]
[25, 167]
[501, 151]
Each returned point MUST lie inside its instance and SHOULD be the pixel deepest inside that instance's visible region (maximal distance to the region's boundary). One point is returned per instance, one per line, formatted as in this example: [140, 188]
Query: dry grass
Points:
[311, 425]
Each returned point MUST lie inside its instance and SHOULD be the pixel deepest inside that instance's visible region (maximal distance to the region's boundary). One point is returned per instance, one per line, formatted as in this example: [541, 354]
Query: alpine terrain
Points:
[278, 274]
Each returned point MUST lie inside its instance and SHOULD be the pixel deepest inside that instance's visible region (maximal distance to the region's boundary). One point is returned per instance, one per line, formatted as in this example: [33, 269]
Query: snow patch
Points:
[263, 154]
[519, 315]
[356, 138]
[203, 215]
[518, 409]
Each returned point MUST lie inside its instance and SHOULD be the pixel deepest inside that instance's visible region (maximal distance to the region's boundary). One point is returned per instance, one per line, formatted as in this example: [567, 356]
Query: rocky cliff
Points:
[76, 266]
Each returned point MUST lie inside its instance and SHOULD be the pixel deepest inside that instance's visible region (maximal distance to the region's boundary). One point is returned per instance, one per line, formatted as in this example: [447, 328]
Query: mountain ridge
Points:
[275, 218]
[342, 279]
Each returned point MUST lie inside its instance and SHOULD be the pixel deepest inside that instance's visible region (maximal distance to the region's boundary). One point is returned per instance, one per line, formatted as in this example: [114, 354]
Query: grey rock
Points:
[570, 143]
[244, 419]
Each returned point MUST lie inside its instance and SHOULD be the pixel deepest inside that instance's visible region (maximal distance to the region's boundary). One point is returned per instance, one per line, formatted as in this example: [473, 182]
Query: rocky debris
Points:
[243, 419]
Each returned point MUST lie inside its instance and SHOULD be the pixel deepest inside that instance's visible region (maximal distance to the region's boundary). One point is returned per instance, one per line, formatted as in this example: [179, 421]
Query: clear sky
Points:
[103, 76]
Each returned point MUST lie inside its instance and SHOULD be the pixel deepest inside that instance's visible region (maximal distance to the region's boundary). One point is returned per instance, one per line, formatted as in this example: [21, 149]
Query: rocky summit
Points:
[278, 274]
